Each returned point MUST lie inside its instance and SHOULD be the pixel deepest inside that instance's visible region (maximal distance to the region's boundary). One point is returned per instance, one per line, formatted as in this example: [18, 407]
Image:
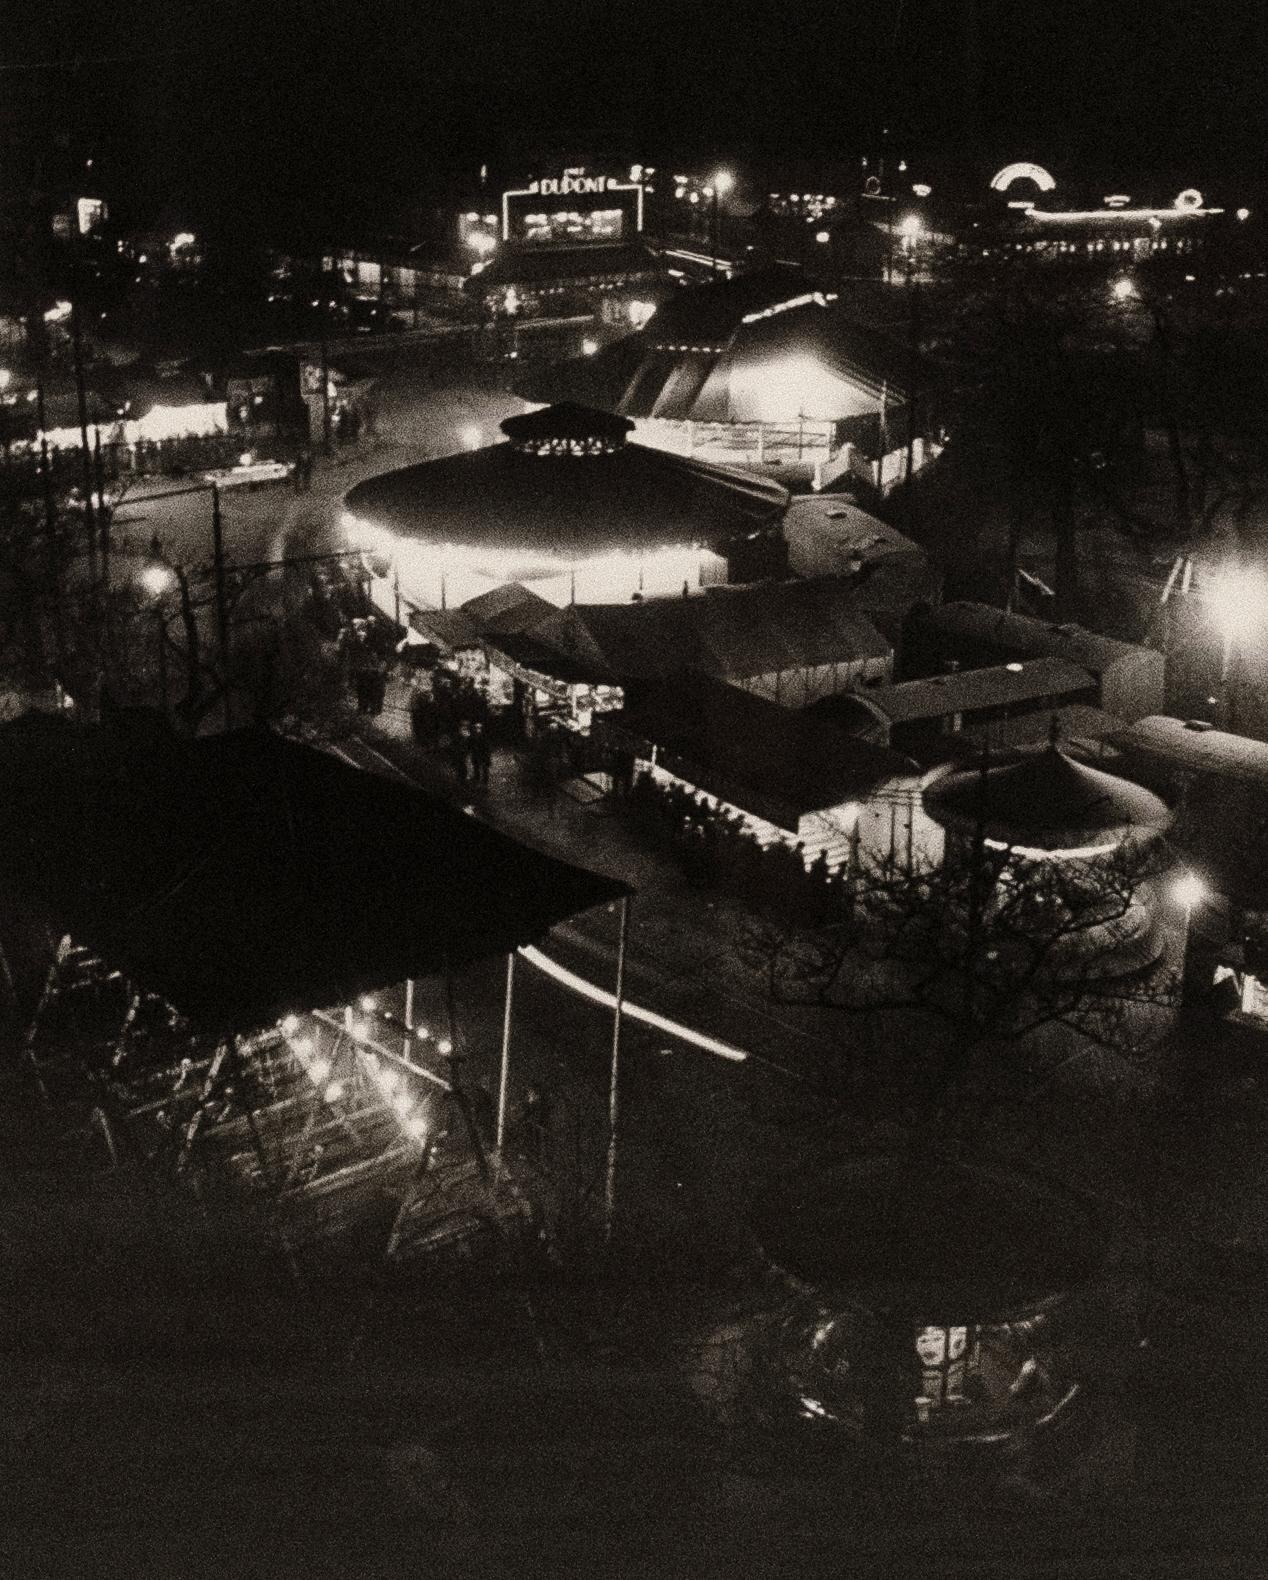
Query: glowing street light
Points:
[823, 237]
[1123, 289]
[589, 347]
[1188, 890]
[721, 184]
[911, 229]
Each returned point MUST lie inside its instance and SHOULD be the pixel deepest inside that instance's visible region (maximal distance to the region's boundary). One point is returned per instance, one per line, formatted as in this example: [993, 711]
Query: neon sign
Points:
[1023, 170]
[571, 183]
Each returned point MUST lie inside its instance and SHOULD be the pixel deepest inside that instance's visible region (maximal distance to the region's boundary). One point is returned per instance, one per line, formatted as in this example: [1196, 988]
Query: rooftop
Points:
[244, 876]
[733, 743]
[1024, 634]
[527, 495]
[1201, 750]
[728, 632]
[1046, 800]
[969, 690]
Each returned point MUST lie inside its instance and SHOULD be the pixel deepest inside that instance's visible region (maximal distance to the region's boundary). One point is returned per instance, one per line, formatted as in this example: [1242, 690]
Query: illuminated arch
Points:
[1023, 170]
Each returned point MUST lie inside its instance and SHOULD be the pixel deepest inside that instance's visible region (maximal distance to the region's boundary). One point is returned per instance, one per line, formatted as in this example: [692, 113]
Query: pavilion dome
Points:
[1046, 800]
[567, 507]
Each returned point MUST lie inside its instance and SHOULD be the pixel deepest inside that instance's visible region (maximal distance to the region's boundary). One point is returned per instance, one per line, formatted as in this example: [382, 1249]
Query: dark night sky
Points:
[319, 107]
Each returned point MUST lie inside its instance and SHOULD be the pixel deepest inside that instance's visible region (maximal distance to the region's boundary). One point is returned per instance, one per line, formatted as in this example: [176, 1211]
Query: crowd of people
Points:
[715, 849]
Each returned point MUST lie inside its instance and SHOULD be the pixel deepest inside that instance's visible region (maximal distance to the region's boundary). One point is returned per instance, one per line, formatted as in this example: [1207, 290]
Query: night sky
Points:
[287, 112]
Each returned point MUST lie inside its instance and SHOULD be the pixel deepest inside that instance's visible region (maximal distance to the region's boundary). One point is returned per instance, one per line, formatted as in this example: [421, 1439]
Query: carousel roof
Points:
[568, 482]
[1045, 800]
[245, 876]
[932, 1240]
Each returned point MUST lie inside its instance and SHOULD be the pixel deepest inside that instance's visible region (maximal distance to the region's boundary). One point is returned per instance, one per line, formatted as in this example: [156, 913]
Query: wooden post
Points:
[505, 1069]
[609, 1200]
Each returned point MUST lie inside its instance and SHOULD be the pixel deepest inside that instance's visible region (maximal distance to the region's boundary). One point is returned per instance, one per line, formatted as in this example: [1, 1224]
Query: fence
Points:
[759, 443]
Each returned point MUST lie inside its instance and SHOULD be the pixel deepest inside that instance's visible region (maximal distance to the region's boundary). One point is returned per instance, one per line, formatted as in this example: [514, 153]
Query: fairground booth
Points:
[247, 951]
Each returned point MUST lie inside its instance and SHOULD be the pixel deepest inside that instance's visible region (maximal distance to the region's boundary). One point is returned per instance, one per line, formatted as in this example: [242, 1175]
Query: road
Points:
[420, 417]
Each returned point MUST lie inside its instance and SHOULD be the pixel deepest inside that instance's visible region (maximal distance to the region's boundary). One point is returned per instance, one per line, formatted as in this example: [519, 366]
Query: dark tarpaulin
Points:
[245, 876]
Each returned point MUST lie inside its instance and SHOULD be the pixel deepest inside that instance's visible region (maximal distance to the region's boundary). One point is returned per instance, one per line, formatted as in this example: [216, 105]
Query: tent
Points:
[245, 876]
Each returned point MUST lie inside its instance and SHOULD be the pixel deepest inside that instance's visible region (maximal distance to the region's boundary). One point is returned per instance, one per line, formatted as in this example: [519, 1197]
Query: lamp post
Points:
[722, 183]
[1237, 598]
[1188, 891]
[218, 573]
[912, 230]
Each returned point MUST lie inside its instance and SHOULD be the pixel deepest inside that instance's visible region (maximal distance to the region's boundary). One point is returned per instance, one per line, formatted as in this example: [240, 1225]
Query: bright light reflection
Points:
[1238, 601]
[156, 579]
[1188, 890]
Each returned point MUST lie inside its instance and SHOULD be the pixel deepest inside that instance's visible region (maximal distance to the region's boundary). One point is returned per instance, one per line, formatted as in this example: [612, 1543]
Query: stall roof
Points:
[1196, 748]
[506, 609]
[735, 741]
[729, 632]
[994, 627]
[967, 690]
[512, 265]
[245, 876]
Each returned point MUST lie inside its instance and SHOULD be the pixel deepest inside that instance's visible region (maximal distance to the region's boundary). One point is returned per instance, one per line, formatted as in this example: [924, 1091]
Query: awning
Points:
[245, 876]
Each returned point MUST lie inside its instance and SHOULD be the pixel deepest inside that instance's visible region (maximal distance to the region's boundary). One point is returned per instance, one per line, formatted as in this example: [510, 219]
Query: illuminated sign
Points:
[90, 212]
[1023, 170]
[574, 183]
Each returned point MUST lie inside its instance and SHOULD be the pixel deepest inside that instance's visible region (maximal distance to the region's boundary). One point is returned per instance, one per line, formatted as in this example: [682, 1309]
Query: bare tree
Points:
[990, 972]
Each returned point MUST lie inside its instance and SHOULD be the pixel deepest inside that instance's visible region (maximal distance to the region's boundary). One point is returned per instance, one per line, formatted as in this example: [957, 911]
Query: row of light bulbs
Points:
[388, 1080]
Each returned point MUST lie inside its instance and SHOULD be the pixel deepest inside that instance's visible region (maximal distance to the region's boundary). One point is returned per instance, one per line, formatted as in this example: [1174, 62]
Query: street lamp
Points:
[1188, 890]
[1237, 599]
[1123, 289]
[722, 183]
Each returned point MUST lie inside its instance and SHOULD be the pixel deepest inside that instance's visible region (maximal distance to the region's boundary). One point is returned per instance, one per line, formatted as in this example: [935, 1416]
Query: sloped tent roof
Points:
[704, 381]
[696, 351]
[708, 314]
[729, 632]
[570, 506]
[506, 609]
[245, 876]
[752, 752]
[1045, 800]
[928, 1241]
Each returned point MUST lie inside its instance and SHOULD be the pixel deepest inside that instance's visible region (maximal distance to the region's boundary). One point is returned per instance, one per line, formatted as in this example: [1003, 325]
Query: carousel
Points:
[565, 507]
[946, 1313]
[1083, 847]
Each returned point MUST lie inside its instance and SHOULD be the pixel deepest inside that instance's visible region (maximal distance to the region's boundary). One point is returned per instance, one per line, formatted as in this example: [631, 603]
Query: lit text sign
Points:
[571, 184]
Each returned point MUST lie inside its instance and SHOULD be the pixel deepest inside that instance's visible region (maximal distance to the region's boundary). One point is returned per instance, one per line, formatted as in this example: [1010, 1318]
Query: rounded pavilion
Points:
[565, 506]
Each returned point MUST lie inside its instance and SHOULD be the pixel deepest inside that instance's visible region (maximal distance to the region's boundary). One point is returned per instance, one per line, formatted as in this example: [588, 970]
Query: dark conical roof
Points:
[1046, 800]
[566, 420]
[934, 1240]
